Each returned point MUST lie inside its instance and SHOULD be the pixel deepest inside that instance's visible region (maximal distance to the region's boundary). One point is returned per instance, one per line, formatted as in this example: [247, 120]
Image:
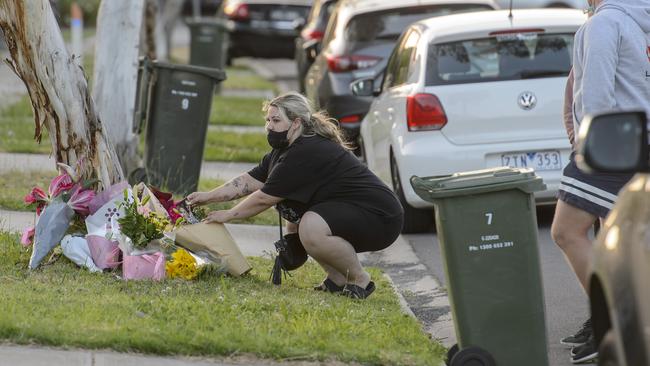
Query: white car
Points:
[522, 4]
[471, 91]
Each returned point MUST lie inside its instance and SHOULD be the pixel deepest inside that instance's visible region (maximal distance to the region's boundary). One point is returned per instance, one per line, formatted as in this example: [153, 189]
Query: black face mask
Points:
[278, 140]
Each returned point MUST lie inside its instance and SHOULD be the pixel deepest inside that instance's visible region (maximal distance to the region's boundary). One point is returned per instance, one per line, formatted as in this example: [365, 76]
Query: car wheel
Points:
[607, 354]
[415, 220]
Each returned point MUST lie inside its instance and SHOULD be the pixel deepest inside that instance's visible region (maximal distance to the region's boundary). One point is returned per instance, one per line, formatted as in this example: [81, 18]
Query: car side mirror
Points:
[614, 143]
[363, 87]
[312, 48]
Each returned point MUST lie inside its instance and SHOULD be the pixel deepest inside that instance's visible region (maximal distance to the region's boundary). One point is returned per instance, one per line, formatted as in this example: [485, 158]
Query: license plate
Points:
[538, 160]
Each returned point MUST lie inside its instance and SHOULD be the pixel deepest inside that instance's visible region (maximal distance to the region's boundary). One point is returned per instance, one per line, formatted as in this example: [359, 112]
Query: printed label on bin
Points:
[490, 242]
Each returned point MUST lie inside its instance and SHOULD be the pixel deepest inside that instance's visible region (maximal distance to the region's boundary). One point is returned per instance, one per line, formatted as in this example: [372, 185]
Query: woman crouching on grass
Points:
[335, 204]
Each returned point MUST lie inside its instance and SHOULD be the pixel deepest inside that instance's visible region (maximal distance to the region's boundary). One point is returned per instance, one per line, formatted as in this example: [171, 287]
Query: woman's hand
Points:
[198, 198]
[219, 216]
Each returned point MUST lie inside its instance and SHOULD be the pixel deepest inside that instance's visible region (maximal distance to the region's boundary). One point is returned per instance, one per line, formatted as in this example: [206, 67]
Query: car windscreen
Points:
[512, 56]
[366, 29]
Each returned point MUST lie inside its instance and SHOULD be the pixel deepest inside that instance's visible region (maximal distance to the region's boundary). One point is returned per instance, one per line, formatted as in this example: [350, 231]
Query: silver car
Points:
[358, 40]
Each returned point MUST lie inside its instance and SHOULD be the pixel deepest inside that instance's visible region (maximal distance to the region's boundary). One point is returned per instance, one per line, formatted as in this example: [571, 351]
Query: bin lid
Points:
[477, 181]
[216, 74]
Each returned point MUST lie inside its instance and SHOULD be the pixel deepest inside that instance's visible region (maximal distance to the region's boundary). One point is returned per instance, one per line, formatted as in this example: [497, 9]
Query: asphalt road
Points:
[566, 303]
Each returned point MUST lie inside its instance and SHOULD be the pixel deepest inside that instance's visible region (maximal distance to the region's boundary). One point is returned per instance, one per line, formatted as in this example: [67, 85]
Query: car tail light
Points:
[355, 118]
[349, 63]
[312, 34]
[237, 11]
[424, 112]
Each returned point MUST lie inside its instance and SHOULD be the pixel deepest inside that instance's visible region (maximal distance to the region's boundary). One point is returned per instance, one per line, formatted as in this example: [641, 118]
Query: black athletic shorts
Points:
[366, 231]
[594, 193]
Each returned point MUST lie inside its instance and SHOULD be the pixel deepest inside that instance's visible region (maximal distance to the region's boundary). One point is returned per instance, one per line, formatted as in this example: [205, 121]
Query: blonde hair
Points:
[295, 105]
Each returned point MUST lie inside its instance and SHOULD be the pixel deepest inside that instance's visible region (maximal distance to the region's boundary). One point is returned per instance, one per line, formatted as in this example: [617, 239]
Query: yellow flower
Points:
[182, 265]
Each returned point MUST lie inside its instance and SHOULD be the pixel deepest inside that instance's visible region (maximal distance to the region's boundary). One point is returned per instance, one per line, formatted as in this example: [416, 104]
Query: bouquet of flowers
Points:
[61, 210]
[141, 224]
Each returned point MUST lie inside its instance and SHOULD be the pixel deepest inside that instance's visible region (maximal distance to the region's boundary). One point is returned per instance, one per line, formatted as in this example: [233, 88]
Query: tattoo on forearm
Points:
[246, 190]
[236, 182]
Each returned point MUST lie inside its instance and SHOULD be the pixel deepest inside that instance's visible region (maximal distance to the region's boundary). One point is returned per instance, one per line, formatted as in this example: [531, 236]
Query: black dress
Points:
[316, 174]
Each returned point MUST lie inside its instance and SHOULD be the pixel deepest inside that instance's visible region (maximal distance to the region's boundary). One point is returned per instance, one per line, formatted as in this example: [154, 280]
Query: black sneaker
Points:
[580, 337]
[585, 353]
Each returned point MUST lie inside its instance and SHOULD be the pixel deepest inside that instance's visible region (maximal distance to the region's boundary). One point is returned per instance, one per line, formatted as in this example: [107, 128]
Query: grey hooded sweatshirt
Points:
[611, 62]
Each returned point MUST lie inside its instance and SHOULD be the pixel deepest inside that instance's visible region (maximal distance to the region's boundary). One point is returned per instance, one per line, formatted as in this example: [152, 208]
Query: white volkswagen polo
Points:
[467, 92]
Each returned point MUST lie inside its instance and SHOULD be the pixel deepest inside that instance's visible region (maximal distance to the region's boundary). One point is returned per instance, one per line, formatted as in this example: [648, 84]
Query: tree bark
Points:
[119, 30]
[148, 46]
[58, 90]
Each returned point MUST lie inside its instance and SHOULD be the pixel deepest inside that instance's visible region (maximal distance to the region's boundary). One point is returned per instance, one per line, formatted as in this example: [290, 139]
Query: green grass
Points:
[246, 80]
[17, 131]
[61, 305]
[231, 146]
[15, 185]
[237, 111]
[17, 135]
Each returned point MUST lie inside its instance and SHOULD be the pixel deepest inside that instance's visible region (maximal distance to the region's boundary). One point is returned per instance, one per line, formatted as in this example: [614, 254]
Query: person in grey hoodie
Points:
[611, 70]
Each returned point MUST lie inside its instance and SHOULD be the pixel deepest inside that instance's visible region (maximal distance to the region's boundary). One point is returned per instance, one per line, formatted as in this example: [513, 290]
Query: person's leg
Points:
[570, 231]
[334, 275]
[331, 251]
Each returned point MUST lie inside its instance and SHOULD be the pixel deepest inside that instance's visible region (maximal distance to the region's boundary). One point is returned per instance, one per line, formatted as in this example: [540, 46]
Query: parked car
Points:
[357, 42]
[522, 4]
[311, 33]
[483, 95]
[620, 269]
[263, 28]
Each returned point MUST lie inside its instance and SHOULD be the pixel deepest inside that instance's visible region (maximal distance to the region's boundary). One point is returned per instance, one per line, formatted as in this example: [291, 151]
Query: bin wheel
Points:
[415, 220]
[451, 352]
[473, 356]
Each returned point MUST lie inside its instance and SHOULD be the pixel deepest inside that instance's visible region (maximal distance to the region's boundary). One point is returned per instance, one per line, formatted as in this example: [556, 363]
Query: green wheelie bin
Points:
[209, 43]
[174, 102]
[487, 230]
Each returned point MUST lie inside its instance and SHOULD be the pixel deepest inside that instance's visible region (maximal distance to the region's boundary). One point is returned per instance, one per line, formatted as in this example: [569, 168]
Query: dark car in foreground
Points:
[620, 270]
[359, 39]
[263, 28]
[311, 34]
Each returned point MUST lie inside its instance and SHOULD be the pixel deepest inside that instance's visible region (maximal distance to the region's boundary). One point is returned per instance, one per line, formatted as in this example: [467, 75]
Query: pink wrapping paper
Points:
[105, 253]
[146, 266]
[106, 195]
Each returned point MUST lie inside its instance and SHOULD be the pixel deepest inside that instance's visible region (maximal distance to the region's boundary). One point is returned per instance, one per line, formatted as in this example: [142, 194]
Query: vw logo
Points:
[527, 100]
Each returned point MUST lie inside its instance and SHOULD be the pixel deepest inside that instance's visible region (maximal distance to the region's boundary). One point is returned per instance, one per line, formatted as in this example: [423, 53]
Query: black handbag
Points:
[291, 255]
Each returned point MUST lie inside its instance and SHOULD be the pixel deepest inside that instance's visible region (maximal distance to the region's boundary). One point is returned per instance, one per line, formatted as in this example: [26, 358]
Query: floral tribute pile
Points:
[122, 227]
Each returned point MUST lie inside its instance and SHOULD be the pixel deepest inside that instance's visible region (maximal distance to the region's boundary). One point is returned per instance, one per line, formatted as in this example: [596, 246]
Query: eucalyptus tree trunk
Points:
[118, 39]
[148, 45]
[58, 90]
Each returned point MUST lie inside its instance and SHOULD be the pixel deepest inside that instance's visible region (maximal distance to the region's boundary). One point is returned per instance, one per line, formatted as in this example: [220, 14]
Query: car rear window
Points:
[386, 26]
[505, 57]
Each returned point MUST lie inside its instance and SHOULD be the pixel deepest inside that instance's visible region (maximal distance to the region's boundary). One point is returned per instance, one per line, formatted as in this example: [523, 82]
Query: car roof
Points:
[480, 24]
[364, 6]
